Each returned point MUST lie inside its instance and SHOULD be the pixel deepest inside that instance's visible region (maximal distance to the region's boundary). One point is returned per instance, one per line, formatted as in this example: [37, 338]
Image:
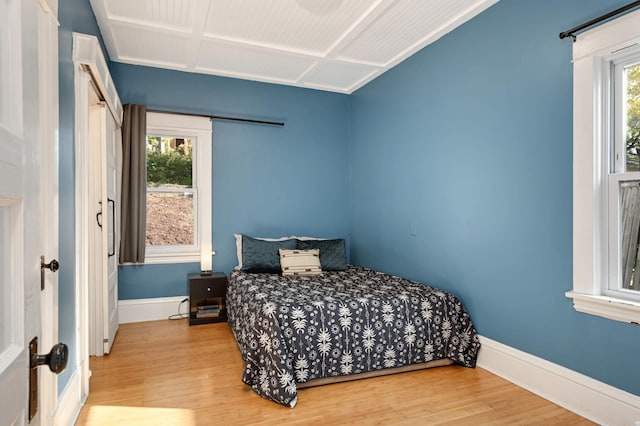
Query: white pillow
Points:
[238, 238]
[300, 262]
[308, 238]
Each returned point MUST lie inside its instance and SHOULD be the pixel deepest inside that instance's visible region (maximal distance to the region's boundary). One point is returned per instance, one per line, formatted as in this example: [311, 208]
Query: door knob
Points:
[56, 359]
[53, 266]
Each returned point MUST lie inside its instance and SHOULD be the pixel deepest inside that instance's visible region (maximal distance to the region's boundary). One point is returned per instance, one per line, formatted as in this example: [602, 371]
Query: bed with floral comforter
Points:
[294, 329]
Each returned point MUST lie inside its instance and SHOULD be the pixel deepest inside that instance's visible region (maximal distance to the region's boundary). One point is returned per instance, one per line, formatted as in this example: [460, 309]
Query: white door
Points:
[20, 210]
[109, 228]
[104, 267]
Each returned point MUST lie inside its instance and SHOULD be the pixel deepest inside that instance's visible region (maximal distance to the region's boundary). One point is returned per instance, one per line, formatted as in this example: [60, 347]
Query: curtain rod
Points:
[224, 117]
[570, 33]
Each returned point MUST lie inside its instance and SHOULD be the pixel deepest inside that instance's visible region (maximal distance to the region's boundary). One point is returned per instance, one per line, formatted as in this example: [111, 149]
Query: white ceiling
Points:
[333, 45]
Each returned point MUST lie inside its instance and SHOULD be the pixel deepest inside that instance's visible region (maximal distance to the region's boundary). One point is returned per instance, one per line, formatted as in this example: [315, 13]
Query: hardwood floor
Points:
[167, 373]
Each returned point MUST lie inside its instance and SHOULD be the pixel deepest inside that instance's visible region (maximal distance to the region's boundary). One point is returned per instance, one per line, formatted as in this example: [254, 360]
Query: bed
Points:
[341, 324]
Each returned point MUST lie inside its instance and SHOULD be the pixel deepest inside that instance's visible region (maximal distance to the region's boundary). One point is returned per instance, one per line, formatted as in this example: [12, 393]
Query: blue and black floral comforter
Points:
[294, 329]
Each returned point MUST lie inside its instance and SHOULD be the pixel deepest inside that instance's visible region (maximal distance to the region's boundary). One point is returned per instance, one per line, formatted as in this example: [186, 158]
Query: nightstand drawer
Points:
[213, 287]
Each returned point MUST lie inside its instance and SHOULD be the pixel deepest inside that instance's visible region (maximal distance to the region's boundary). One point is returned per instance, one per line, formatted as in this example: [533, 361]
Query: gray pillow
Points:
[263, 256]
[333, 255]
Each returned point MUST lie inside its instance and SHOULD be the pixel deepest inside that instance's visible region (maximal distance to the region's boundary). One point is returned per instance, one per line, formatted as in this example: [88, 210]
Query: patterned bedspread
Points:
[294, 329]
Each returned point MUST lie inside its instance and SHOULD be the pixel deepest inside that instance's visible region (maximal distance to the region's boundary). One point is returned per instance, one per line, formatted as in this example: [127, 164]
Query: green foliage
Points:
[633, 108]
[169, 161]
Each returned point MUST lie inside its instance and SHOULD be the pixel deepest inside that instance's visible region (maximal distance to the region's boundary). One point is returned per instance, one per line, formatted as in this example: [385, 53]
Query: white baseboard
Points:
[590, 398]
[70, 402]
[158, 308]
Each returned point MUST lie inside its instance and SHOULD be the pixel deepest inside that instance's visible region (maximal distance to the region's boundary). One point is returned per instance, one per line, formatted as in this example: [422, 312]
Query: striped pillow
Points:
[300, 262]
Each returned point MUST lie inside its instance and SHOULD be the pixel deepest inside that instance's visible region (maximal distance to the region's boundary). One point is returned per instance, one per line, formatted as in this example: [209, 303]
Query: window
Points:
[170, 192]
[606, 178]
[178, 188]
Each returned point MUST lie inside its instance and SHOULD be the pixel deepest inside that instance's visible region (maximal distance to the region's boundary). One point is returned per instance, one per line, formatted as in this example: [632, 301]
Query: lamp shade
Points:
[206, 258]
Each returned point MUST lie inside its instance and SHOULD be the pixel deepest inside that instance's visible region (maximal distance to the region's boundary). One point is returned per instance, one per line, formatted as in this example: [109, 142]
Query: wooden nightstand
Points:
[207, 298]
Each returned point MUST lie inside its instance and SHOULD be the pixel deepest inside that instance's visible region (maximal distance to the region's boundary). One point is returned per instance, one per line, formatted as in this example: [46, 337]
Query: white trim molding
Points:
[49, 171]
[154, 309]
[590, 398]
[71, 401]
[593, 229]
[200, 128]
[81, 138]
[87, 53]
[90, 68]
[607, 307]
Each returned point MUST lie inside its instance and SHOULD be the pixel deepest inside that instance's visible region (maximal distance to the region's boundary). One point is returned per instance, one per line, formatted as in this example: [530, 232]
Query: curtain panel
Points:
[133, 224]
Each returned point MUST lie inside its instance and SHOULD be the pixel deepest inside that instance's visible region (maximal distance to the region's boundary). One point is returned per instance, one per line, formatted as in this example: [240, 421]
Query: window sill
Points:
[606, 307]
[151, 259]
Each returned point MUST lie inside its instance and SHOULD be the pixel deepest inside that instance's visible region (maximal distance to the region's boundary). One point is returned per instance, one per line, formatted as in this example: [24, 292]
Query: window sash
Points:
[619, 110]
[181, 248]
[622, 244]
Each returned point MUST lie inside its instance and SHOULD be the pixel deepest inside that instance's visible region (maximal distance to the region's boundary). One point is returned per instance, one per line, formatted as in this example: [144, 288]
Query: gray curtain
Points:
[134, 184]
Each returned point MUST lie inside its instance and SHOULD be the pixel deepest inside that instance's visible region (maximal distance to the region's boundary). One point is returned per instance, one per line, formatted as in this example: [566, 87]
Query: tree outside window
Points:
[633, 117]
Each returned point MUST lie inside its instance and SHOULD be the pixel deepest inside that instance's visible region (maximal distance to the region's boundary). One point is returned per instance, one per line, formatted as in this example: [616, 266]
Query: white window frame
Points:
[199, 129]
[593, 53]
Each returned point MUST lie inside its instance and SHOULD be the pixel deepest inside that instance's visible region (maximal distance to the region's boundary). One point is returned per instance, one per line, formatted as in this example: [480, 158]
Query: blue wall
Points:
[267, 181]
[74, 16]
[467, 145]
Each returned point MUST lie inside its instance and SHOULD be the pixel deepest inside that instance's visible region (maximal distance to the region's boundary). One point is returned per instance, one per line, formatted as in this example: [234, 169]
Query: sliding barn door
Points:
[104, 298]
[110, 243]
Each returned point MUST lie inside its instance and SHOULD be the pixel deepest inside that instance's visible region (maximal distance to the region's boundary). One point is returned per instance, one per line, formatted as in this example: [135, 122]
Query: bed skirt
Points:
[369, 374]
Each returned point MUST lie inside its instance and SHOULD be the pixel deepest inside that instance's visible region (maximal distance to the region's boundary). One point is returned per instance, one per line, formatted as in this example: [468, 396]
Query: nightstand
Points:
[207, 298]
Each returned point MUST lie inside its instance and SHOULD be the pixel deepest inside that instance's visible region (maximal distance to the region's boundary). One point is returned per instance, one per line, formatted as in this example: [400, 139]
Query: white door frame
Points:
[90, 69]
[49, 112]
[72, 398]
[82, 80]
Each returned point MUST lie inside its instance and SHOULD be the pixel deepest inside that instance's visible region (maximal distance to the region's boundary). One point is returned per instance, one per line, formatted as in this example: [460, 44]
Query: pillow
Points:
[263, 256]
[307, 238]
[238, 238]
[332, 253]
[300, 262]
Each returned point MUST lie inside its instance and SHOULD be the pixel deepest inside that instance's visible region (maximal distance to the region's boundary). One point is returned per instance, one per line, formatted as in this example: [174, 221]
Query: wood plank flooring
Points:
[167, 373]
